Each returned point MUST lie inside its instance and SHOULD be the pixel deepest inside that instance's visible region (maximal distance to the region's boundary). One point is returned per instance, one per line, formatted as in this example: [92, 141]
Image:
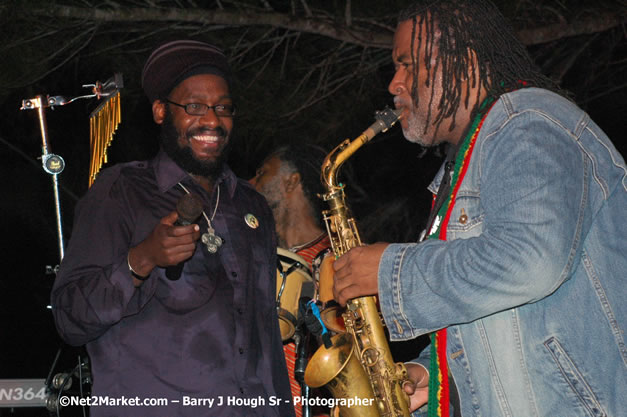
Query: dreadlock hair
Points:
[452, 28]
[306, 159]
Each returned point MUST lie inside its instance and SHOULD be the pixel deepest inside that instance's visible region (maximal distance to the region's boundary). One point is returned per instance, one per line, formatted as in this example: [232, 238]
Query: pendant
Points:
[211, 240]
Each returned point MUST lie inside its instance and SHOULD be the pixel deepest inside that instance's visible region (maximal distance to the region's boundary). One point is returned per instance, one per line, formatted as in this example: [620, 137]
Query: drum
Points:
[331, 313]
[293, 281]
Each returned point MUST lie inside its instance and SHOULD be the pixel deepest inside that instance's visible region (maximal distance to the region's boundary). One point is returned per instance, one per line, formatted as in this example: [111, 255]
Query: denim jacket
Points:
[531, 282]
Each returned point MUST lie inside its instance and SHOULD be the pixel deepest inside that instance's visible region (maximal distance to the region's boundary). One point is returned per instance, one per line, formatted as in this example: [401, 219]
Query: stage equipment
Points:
[103, 121]
[293, 282]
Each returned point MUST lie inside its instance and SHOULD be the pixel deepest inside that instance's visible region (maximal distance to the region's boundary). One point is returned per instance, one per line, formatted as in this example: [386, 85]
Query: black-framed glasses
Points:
[200, 109]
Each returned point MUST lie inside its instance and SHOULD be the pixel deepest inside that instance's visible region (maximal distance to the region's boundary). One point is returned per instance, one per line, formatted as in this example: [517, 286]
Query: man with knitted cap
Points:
[169, 276]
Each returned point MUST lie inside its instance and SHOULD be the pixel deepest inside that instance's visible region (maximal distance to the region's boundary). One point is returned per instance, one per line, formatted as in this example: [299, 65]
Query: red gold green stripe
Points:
[438, 368]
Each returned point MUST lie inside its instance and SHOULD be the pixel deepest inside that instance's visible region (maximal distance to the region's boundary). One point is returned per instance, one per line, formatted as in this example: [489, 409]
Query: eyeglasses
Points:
[200, 109]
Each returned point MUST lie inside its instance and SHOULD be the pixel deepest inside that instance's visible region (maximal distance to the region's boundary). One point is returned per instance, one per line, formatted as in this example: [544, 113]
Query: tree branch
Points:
[589, 25]
[363, 36]
[358, 36]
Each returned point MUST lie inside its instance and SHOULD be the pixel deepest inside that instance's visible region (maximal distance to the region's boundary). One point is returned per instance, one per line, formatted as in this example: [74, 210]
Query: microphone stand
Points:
[301, 340]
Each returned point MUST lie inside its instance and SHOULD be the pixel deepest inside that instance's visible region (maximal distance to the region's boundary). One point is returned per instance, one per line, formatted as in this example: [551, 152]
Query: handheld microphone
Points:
[189, 209]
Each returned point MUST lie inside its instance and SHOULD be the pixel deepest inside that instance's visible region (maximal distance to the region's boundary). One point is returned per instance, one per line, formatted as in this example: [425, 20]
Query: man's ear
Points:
[158, 111]
[292, 182]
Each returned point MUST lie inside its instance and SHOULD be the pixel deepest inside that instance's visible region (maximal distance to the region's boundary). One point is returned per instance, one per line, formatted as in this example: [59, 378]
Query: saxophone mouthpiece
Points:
[389, 116]
[385, 119]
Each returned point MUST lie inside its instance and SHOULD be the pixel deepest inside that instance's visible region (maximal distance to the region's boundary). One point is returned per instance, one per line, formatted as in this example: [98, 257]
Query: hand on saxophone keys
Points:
[356, 272]
[417, 387]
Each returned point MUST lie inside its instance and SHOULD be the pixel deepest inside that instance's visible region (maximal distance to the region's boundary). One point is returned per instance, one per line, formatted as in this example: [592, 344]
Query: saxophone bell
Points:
[339, 369]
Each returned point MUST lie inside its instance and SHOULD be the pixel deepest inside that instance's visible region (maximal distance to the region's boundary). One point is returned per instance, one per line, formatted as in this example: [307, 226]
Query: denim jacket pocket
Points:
[466, 219]
[573, 377]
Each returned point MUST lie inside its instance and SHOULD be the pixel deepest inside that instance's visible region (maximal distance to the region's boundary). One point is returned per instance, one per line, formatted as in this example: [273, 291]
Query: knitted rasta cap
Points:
[173, 62]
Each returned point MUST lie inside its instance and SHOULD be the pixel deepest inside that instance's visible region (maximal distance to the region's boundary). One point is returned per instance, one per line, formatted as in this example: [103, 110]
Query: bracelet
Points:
[133, 273]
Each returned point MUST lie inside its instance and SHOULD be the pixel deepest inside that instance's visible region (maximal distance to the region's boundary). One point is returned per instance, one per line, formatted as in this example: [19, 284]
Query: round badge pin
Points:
[251, 221]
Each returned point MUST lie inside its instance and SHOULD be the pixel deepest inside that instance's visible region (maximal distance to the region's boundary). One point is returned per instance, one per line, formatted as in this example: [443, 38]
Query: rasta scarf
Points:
[438, 369]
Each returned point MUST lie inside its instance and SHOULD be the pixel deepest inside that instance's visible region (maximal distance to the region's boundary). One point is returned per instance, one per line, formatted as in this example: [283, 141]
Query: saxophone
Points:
[359, 365]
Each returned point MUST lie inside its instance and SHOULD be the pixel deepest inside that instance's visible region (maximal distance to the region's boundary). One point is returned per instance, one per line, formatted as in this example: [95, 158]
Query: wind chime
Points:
[103, 122]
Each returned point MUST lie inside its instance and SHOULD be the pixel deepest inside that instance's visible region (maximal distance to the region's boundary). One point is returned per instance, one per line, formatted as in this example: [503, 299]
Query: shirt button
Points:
[241, 390]
[240, 311]
[241, 351]
[233, 274]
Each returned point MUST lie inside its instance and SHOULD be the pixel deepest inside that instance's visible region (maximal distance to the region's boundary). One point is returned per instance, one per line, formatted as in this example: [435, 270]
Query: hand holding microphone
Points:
[171, 242]
[189, 209]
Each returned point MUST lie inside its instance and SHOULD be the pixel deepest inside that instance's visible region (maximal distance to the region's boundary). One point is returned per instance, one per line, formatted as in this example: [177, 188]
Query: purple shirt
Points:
[212, 334]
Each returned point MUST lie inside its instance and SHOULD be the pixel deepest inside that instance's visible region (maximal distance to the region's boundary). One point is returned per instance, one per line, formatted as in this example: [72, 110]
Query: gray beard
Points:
[415, 132]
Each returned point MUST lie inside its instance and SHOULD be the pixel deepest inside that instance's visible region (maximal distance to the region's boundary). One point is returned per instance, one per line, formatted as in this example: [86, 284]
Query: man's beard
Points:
[184, 156]
[414, 131]
[276, 201]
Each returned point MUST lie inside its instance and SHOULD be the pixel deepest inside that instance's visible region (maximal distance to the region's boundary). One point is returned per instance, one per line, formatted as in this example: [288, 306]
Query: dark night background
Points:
[296, 94]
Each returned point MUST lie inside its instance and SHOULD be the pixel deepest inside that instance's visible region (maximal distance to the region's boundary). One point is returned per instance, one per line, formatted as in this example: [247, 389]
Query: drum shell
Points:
[293, 282]
[331, 313]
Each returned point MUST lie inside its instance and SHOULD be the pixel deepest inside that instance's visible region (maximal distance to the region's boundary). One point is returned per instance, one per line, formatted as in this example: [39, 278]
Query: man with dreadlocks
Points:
[520, 279]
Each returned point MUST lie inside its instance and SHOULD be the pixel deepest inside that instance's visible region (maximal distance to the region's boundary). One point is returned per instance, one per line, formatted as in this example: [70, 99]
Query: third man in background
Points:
[289, 179]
